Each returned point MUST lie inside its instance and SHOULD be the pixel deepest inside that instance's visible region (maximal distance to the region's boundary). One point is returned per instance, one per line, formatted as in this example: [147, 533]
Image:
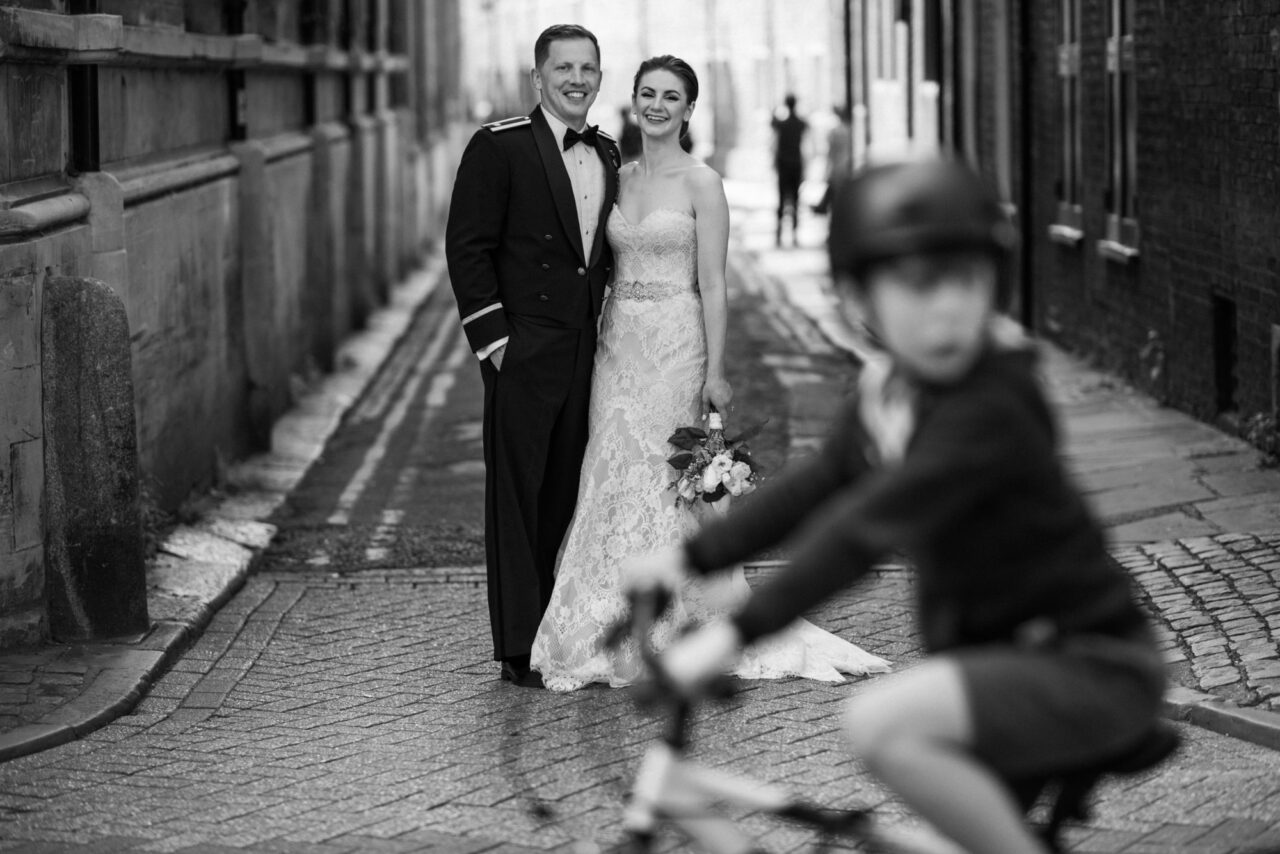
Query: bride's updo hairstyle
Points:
[679, 68]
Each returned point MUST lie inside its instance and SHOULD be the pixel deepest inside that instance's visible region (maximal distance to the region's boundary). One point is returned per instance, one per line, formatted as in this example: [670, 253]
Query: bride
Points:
[659, 365]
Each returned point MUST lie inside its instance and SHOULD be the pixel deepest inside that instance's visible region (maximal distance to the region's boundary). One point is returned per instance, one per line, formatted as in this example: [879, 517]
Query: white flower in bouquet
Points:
[713, 474]
[737, 479]
[687, 489]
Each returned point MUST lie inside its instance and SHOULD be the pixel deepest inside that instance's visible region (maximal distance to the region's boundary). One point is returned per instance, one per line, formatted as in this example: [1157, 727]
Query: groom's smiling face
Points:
[569, 80]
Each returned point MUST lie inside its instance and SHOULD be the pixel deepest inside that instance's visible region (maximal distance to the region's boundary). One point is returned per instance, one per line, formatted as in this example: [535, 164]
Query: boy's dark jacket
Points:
[1001, 540]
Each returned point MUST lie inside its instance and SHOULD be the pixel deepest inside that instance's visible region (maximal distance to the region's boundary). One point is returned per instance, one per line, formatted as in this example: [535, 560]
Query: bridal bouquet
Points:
[710, 466]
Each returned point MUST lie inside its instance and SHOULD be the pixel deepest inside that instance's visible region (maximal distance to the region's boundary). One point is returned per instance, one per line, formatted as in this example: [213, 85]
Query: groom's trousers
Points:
[535, 433]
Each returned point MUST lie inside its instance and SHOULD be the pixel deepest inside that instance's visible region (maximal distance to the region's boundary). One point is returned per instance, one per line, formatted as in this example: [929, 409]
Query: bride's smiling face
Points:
[661, 104]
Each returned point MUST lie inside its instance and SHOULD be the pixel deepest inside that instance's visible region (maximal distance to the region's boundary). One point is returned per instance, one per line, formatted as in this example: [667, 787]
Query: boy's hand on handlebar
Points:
[692, 662]
[657, 570]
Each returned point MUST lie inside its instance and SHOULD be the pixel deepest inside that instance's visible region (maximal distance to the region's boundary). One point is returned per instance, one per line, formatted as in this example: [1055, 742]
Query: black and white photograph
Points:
[629, 426]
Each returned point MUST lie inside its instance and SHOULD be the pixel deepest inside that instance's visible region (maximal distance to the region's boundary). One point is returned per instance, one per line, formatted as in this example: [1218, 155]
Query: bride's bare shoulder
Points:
[703, 181]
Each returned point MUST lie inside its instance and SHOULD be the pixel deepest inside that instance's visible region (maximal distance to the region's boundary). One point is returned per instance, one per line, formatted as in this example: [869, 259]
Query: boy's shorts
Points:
[1078, 702]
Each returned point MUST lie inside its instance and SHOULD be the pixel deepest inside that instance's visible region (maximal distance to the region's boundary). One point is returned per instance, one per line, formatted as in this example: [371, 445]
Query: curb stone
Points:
[1255, 726]
[199, 567]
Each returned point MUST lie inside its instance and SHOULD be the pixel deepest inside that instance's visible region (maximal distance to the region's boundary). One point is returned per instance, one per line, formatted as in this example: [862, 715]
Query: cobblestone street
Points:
[344, 700]
[337, 712]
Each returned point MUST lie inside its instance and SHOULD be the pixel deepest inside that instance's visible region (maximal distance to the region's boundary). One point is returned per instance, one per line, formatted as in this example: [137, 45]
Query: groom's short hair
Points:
[561, 32]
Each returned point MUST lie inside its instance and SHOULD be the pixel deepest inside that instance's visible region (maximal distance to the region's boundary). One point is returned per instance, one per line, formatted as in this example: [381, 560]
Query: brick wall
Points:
[1208, 185]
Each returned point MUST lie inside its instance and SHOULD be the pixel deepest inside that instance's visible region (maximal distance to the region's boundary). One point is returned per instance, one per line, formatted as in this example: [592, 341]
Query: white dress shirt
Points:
[586, 175]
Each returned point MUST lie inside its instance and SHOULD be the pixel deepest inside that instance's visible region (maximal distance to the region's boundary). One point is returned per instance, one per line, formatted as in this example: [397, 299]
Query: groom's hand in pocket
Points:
[497, 355]
[659, 570]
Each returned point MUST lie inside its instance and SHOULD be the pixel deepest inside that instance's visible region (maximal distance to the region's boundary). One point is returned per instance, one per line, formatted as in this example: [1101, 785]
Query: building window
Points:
[1121, 242]
[1069, 225]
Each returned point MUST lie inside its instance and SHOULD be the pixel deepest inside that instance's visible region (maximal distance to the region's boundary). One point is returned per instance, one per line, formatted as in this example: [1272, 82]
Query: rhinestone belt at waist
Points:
[652, 289]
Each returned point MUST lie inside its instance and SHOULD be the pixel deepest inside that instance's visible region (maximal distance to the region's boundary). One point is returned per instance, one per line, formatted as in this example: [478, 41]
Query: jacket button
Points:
[543, 297]
[546, 266]
[582, 271]
[546, 237]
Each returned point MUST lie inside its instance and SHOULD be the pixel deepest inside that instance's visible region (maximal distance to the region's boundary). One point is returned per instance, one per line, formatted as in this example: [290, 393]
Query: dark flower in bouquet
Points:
[709, 465]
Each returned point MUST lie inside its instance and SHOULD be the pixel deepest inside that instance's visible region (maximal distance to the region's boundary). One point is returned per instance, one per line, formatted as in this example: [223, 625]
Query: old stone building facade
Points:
[248, 177]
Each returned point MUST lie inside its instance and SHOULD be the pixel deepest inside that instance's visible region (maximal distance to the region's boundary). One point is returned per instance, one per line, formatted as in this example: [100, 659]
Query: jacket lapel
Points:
[610, 161]
[557, 177]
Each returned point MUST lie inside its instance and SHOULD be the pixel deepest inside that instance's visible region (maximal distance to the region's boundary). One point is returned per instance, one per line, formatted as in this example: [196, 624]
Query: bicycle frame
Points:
[670, 788]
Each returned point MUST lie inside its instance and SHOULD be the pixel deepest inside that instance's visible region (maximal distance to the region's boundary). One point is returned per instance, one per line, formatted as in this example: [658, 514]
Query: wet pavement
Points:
[322, 695]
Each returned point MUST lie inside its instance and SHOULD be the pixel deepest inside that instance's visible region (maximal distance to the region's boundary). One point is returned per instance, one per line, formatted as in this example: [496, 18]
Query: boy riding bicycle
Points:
[1038, 657]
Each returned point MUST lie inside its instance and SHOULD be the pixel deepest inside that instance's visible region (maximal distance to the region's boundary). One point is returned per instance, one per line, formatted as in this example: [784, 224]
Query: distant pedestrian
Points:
[629, 137]
[839, 157]
[529, 263]
[788, 161]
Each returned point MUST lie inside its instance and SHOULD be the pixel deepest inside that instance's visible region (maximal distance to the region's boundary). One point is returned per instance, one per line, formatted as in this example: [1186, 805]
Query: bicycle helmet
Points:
[919, 206]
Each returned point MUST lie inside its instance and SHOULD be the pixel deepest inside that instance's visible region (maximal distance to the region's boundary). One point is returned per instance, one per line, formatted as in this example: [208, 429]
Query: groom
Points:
[529, 263]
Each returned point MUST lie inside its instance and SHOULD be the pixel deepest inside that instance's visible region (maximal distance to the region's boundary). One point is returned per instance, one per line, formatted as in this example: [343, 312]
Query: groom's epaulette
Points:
[607, 136]
[507, 124]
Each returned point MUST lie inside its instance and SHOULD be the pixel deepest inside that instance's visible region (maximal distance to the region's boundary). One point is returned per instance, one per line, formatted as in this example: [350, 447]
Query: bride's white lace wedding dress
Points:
[649, 370]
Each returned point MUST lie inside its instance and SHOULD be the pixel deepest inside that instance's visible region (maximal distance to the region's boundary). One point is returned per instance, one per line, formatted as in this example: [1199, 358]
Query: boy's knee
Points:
[867, 726]
[925, 707]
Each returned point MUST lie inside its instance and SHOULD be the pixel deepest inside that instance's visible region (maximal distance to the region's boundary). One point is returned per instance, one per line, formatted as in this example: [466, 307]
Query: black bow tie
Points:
[589, 135]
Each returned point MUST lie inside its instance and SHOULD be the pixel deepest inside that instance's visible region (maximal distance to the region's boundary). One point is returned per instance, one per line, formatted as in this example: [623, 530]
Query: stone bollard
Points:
[94, 555]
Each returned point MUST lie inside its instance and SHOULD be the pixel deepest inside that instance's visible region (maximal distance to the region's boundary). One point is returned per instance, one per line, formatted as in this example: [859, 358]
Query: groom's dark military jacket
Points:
[513, 242]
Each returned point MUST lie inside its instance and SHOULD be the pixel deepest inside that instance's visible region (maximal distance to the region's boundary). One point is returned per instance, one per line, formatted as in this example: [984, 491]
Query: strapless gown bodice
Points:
[656, 257]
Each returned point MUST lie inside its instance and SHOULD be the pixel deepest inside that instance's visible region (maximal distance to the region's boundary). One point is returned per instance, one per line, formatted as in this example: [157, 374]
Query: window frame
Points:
[1122, 235]
[1068, 225]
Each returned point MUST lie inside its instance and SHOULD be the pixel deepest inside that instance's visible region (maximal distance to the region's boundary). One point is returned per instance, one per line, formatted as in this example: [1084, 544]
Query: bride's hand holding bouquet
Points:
[716, 393]
[709, 465]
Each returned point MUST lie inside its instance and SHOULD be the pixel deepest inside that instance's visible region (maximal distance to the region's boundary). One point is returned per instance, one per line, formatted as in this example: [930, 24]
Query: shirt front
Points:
[586, 176]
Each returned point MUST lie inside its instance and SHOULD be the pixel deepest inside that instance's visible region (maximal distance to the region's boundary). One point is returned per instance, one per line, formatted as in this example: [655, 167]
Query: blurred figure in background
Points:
[839, 157]
[1038, 657]
[788, 162]
[629, 135]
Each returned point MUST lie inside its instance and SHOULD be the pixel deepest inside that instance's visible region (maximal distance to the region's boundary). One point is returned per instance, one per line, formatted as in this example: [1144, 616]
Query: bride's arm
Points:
[711, 212]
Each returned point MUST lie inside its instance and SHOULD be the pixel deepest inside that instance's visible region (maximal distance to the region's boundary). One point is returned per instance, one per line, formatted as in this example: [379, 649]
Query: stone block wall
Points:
[24, 268]
[21, 449]
[241, 177]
